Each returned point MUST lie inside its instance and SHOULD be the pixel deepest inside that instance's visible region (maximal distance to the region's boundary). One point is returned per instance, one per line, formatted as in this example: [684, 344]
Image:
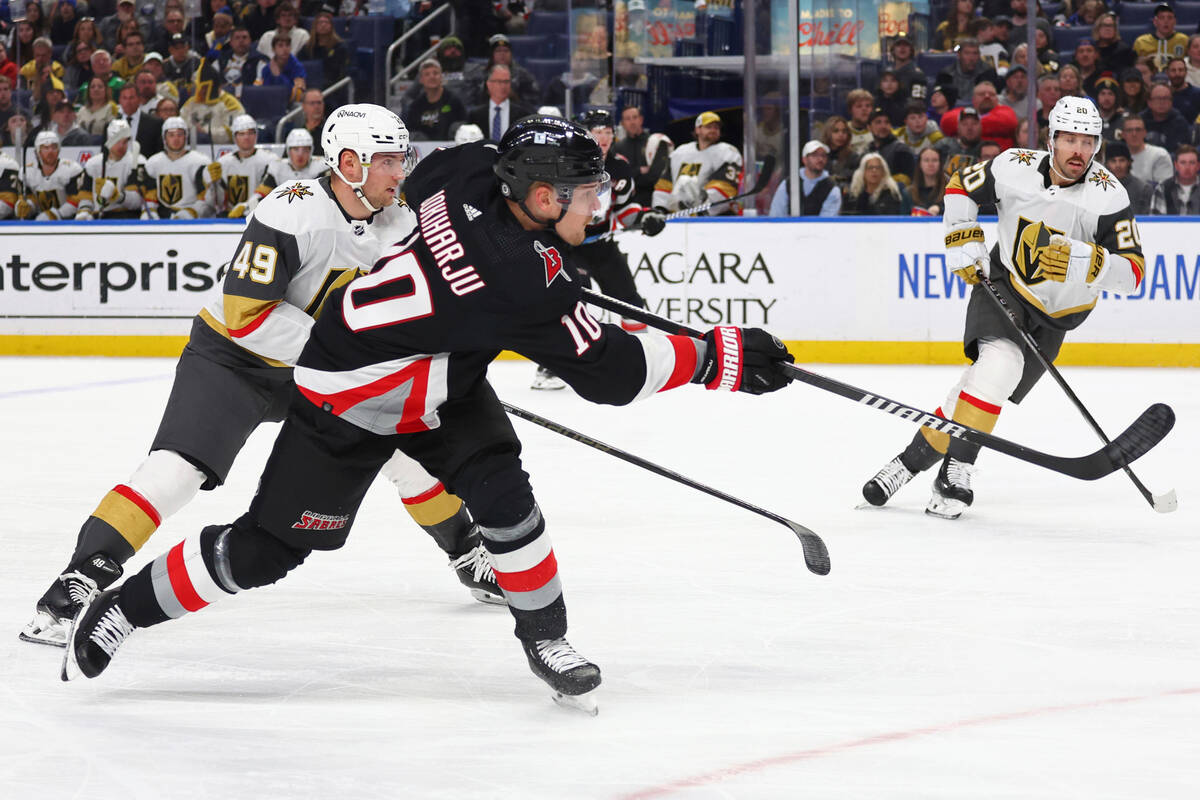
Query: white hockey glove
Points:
[84, 215]
[1068, 260]
[108, 191]
[966, 253]
[23, 209]
[46, 215]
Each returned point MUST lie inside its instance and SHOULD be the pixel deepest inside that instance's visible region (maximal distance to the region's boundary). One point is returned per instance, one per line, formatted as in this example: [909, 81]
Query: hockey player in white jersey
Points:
[52, 187]
[113, 181]
[1066, 234]
[242, 174]
[178, 179]
[304, 240]
[298, 163]
[10, 180]
[703, 171]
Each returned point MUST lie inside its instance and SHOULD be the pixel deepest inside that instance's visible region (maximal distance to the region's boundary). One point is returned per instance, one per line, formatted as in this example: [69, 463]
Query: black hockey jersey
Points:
[622, 209]
[469, 282]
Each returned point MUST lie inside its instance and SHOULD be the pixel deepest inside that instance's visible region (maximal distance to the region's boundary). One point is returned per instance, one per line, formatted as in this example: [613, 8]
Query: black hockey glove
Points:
[743, 360]
[653, 223]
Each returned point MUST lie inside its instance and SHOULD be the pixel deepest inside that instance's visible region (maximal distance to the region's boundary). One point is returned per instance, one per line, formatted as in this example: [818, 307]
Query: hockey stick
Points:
[816, 555]
[1133, 443]
[1162, 503]
[764, 177]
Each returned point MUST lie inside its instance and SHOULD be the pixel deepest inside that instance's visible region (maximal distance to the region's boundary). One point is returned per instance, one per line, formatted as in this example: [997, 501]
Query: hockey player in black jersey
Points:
[302, 241]
[602, 260]
[400, 362]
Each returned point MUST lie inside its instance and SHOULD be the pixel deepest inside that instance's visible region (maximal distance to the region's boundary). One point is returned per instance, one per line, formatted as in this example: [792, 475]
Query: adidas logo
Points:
[471, 211]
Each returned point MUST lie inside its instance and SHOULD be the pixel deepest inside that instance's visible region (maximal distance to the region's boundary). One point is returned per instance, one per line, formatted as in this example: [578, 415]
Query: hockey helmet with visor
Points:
[1074, 115]
[364, 129]
[557, 152]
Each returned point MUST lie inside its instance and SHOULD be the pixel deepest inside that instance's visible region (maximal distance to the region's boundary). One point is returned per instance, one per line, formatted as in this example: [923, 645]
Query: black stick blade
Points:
[816, 554]
[1140, 438]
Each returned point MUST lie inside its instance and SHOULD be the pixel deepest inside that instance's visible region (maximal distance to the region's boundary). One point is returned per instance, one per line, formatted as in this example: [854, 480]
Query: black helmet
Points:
[550, 150]
[596, 118]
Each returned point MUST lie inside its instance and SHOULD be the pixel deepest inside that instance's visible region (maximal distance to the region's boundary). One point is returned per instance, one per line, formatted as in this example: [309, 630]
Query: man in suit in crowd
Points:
[496, 115]
[147, 128]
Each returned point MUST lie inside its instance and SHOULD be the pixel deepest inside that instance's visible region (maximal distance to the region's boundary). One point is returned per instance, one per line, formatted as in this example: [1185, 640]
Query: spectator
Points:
[819, 194]
[989, 149]
[919, 130]
[85, 32]
[180, 68]
[883, 141]
[258, 18]
[1108, 103]
[8, 67]
[111, 25]
[21, 43]
[102, 69]
[911, 78]
[433, 113]
[1044, 43]
[210, 112]
[951, 31]
[1087, 60]
[17, 130]
[1163, 41]
[941, 100]
[1151, 163]
[1048, 93]
[42, 69]
[313, 118]
[993, 38]
[998, 122]
[967, 70]
[127, 27]
[1070, 82]
[286, 19]
[859, 103]
[240, 62]
[1023, 136]
[327, 47]
[1177, 195]
[1115, 55]
[1018, 12]
[525, 89]
[769, 138]
[8, 106]
[174, 22]
[79, 71]
[154, 65]
[1133, 89]
[873, 192]
[218, 38]
[150, 91]
[633, 146]
[1193, 60]
[1020, 58]
[1118, 161]
[1165, 126]
[146, 129]
[283, 69]
[98, 109]
[495, 116]
[963, 149]
[451, 55]
[1185, 97]
[1087, 12]
[890, 98]
[63, 20]
[928, 181]
[43, 106]
[167, 107]
[843, 160]
[62, 121]
[133, 56]
[35, 17]
[1016, 90]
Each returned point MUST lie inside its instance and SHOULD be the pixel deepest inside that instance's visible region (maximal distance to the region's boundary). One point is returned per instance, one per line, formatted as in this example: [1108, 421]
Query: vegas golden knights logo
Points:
[690, 169]
[170, 189]
[1030, 239]
[239, 189]
[47, 200]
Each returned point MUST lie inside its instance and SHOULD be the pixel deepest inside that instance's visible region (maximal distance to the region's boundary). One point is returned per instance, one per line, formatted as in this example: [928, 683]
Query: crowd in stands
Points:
[900, 140]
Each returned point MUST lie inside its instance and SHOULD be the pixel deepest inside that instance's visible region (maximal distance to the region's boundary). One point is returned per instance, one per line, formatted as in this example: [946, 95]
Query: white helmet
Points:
[244, 122]
[117, 130]
[364, 129]
[298, 137]
[45, 138]
[175, 124]
[1074, 115]
[468, 133]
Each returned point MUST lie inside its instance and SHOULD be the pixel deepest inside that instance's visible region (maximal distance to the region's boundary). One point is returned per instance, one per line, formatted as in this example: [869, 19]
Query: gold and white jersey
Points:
[128, 173]
[244, 178]
[1095, 209]
[9, 176]
[698, 176]
[178, 184]
[57, 194]
[298, 247]
[282, 171]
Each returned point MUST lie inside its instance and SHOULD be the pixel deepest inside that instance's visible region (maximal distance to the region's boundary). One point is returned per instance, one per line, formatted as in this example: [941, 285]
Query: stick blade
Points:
[1165, 503]
[1142, 436]
[816, 554]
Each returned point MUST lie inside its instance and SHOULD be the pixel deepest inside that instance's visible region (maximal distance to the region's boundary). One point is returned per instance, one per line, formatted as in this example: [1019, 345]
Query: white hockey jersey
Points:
[298, 247]
[127, 175]
[54, 196]
[9, 174]
[282, 171]
[243, 181]
[1094, 209]
[178, 187]
[699, 176]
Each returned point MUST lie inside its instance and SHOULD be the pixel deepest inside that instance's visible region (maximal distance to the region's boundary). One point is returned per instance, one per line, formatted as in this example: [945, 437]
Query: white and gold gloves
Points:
[1068, 260]
[966, 253]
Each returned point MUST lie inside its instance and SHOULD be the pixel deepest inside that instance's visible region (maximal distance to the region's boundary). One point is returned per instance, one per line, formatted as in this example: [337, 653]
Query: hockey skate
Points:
[572, 677]
[951, 490]
[887, 482]
[474, 569]
[62, 601]
[96, 635]
[547, 380]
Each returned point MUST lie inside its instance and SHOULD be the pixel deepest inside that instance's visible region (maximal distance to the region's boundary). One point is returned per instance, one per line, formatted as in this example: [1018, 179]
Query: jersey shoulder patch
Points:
[294, 206]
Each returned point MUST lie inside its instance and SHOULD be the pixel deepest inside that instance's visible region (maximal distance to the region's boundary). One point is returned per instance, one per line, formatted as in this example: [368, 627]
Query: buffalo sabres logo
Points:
[170, 189]
[553, 261]
[1031, 238]
[1024, 156]
[1102, 179]
[297, 191]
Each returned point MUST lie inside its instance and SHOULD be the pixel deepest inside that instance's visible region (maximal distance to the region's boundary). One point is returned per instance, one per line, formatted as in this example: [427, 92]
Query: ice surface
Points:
[1046, 645]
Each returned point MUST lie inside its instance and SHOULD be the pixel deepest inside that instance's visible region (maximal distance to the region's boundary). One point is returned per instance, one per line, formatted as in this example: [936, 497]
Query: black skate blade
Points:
[585, 702]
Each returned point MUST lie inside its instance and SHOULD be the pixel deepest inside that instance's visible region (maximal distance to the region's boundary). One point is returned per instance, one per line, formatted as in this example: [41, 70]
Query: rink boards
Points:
[845, 291]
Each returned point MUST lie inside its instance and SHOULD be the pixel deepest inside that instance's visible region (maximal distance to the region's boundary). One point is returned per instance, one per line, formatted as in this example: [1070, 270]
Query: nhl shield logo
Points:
[552, 259]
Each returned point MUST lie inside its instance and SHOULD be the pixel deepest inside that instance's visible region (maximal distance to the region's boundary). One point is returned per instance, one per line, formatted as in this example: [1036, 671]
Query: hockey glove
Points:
[83, 216]
[966, 253]
[184, 213]
[743, 360]
[23, 209]
[653, 223]
[46, 215]
[238, 211]
[107, 192]
[214, 171]
[1067, 260]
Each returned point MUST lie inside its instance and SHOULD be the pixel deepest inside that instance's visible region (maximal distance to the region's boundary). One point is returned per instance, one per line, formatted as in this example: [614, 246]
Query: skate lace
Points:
[80, 587]
[111, 630]
[477, 559]
[958, 473]
[559, 655]
[893, 476]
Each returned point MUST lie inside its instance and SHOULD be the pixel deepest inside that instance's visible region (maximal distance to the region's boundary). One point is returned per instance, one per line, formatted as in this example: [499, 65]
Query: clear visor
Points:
[589, 199]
